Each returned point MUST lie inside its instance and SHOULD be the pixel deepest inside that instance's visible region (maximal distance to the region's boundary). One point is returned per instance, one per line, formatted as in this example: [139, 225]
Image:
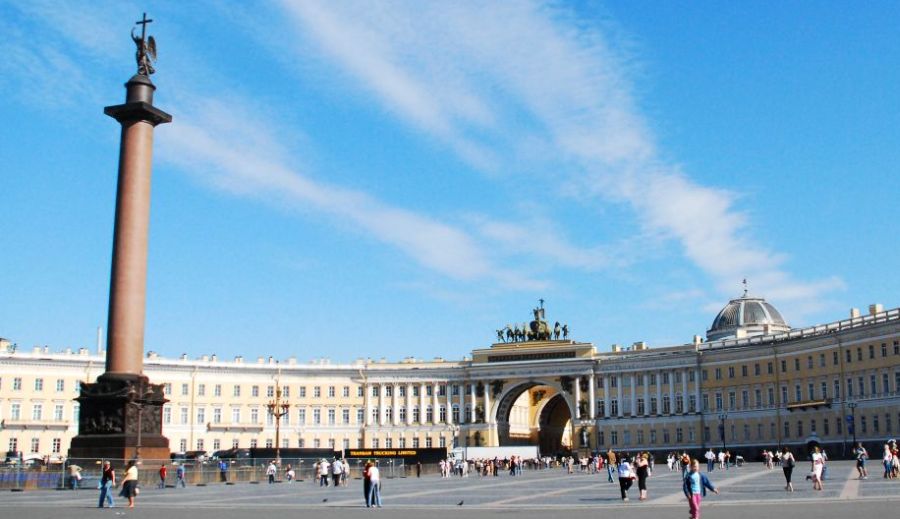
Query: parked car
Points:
[189, 458]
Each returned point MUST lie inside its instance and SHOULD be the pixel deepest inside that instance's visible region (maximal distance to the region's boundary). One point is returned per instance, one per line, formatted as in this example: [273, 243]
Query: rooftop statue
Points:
[146, 49]
[536, 330]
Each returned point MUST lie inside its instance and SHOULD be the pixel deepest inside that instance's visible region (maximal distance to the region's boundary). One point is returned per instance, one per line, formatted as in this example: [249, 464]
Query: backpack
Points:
[789, 463]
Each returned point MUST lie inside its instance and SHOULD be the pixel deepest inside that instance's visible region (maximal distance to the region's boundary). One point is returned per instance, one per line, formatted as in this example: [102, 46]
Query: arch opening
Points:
[535, 413]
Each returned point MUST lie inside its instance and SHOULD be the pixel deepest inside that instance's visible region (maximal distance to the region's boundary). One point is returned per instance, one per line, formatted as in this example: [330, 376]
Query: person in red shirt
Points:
[162, 476]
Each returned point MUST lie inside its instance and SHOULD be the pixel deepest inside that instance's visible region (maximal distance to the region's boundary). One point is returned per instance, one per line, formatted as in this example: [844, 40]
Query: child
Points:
[695, 485]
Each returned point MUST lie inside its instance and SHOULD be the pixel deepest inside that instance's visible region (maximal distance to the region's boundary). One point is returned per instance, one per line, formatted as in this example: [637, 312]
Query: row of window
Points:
[37, 412]
[863, 387]
[652, 379]
[642, 408]
[39, 384]
[331, 415]
[330, 391]
[810, 361]
[55, 445]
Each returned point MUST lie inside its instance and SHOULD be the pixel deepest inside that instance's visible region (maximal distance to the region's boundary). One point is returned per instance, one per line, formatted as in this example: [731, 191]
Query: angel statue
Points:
[145, 54]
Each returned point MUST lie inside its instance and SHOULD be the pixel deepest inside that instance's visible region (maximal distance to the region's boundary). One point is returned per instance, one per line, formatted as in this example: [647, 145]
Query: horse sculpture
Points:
[556, 331]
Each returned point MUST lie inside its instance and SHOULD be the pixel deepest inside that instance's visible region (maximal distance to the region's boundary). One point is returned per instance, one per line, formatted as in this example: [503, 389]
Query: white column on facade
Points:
[462, 403]
[697, 388]
[606, 412]
[435, 403]
[684, 392]
[592, 395]
[633, 395]
[577, 398]
[368, 394]
[382, 388]
[487, 404]
[449, 398]
[646, 380]
[422, 406]
[672, 393]
[409, 404]
[472, 397]
[659, 393]
[395, 404]
[619, 400]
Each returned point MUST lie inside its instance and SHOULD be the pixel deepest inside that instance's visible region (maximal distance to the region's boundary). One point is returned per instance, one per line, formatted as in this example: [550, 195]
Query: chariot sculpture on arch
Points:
[537, 330]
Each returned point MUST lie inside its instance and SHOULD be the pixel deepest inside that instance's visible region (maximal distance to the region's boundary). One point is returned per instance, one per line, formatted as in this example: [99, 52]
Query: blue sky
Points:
[394, 179]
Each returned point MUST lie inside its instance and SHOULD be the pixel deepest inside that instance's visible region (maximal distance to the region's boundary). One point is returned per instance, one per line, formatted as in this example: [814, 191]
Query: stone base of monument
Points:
[121, 418]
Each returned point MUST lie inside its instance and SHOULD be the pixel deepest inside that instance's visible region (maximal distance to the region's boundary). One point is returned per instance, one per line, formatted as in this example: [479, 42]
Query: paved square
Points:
[751, 491]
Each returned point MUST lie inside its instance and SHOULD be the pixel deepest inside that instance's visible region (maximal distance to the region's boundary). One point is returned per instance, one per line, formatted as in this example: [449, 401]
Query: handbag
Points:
[137, 490]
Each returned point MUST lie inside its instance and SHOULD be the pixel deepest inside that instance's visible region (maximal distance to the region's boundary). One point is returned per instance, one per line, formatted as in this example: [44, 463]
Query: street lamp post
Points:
[278, 409]
[139, 403]
[722, 418]
[852, 420]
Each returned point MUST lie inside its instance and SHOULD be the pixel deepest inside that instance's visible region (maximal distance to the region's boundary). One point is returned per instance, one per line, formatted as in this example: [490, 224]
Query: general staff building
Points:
[753, 383]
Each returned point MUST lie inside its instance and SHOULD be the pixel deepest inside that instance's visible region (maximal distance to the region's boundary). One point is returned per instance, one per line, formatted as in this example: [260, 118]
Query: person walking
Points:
[374, 497]
[694, 487]
[818, 464]
[367, 483]
[162, 475]
[710, 460]
[324, 466]
[610, 464]
[337, 472]
[861, 456]
[642, 468]
[289, 474]
[179, 476]
[686, 463]
[787, 465]
[888, 461]
[129, 483]
[223, 471]
[74, 476]
[107, 483]
[626, 477]
[271, 470]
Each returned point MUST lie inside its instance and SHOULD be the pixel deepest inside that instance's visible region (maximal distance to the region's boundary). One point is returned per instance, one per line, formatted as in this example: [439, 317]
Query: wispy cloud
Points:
[225, 143]
[246, 159]
[489, 77]
[500, 84]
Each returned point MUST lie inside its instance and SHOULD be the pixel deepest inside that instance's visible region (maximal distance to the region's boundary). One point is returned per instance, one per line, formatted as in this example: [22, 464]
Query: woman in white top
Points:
[374, 497]
[888, 460]
[818, 463]
[129, 483]
[626, 477]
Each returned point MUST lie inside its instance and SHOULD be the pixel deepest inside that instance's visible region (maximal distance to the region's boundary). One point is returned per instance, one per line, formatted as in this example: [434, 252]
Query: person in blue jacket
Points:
[695, 486]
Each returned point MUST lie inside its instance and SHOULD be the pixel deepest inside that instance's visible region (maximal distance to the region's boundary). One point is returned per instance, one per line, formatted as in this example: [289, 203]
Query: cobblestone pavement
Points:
[750, 491]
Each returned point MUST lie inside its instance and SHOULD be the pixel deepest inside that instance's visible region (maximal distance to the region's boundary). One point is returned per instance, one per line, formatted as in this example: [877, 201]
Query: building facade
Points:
[758, 384]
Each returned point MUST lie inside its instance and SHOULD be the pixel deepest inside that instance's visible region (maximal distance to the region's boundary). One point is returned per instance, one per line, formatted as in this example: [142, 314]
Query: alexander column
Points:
[121, 413]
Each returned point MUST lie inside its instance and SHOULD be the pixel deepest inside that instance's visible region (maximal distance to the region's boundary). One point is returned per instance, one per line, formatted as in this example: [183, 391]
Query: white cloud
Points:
[245, 159]
[492, 76]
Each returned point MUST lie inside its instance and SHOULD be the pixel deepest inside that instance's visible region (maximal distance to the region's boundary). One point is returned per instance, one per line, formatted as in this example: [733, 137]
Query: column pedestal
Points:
[120, 418]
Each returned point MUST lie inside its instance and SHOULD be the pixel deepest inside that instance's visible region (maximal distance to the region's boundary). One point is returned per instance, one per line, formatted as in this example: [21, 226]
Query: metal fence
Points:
[79, 474]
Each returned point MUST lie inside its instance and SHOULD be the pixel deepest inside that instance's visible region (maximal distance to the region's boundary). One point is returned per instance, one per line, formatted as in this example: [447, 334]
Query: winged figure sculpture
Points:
[145, 54]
